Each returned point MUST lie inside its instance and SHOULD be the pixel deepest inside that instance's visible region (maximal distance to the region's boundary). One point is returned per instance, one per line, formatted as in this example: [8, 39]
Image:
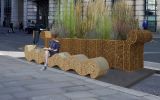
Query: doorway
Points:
[42, 11]
[20, 10]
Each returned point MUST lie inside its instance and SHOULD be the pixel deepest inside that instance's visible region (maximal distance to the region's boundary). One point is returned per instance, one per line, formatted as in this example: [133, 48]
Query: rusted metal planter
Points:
[126, 55]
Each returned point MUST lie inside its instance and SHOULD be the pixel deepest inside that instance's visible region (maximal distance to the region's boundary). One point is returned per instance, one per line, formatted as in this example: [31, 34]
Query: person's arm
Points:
[55, 46]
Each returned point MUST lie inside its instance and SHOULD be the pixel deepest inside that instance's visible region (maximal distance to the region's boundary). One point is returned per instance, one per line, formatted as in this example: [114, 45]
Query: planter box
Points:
[126, 55]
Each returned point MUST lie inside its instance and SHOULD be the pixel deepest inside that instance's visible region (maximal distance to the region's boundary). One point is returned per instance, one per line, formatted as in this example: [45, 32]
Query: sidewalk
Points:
[21, 80]
[156, 35]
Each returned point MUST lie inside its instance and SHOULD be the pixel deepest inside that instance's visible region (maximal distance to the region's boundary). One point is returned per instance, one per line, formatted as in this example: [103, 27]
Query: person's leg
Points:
[47, 54]
[12, 30]
[36, 36]
[46, 57]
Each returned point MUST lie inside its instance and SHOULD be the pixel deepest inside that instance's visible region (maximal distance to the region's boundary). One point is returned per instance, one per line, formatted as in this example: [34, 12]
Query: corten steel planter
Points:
[125, 55]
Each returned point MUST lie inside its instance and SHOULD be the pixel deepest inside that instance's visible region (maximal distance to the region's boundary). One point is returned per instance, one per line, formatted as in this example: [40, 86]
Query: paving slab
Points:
[40, 85]
[125, 79]
[150, 84]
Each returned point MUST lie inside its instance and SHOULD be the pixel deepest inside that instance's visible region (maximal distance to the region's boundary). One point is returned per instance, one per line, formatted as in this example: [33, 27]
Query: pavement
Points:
[152, 49]
[22, 80]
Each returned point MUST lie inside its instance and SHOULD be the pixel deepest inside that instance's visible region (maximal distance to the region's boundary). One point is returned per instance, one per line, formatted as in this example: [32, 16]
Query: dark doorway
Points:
[42, 11]
[7, 12]
[20, 10]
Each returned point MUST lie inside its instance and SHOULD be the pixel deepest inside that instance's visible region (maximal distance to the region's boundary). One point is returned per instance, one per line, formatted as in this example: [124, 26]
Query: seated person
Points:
[53, 49]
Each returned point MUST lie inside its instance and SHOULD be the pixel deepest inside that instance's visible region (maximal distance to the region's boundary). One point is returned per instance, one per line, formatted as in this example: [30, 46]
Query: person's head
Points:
[54, 36]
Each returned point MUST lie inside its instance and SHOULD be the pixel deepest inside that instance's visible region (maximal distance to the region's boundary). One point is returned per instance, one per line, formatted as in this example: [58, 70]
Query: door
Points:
[42, 11]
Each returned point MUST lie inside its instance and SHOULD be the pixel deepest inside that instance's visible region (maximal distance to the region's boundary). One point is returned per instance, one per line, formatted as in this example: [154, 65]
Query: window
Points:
[150, 14]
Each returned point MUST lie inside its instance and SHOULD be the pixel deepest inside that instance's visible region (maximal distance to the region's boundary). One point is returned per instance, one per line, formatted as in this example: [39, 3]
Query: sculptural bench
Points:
[95, 67]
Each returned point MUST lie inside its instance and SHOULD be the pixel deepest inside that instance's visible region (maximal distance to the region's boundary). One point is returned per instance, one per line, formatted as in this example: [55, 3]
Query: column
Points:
[14, 12]
[25, 13]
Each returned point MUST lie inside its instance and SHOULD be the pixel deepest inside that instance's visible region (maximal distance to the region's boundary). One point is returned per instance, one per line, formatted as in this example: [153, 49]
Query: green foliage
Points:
[68, 18]
[95, 20]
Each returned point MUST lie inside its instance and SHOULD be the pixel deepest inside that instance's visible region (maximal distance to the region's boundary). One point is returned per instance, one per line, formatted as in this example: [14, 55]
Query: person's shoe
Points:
[43, 68]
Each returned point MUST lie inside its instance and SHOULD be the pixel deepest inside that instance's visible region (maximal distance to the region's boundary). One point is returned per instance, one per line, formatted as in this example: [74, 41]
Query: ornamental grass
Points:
[93, 19]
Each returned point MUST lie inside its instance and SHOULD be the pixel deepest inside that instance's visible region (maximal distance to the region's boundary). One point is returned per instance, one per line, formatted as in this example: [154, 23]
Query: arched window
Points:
[150, 14]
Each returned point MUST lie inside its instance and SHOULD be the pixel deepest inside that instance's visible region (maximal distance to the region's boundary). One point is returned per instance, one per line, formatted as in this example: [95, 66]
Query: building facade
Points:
[17, 11]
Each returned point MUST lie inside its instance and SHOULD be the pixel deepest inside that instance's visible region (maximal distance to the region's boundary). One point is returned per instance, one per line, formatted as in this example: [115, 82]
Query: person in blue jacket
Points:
[54, 47]
[145, 24]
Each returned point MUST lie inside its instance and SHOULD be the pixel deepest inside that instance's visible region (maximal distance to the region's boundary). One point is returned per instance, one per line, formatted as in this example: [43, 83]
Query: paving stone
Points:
[85, 99]
[13, 78]
[150, 84]
[81, 94]
[51, 97]
[76, 88]
[6, 97]
[38, 93]
[49, 85]
[80, 82]
[129, 91]
[102, 92]
[21, 99]
[12, 90]
[46, 75]
[61, 78]
[119, 96]
[1, 86]
[151, 97]
[94, 86]
[25, 82]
